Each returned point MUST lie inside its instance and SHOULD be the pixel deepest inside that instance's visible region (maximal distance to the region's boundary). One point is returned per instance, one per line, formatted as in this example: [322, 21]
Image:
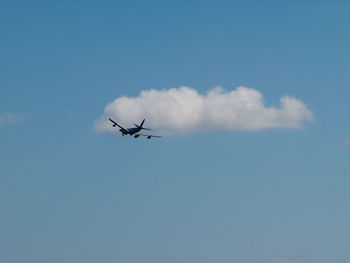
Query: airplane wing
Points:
[116, 124]
[149, 136]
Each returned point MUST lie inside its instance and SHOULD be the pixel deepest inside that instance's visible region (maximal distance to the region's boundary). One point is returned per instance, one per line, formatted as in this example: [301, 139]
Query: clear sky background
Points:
[68, 194]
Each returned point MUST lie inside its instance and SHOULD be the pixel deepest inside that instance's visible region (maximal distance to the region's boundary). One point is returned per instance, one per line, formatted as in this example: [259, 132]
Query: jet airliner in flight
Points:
[134, 131]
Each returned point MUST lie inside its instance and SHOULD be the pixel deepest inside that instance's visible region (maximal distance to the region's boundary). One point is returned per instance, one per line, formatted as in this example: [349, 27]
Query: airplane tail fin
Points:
[141, 125]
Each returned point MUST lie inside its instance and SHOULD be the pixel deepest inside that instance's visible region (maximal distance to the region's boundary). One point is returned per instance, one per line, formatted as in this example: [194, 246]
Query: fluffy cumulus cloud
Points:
[183, 110]
[10, 118]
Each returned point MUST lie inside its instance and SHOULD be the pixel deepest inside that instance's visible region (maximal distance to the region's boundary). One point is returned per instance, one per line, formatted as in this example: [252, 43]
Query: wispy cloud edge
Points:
[10, 118]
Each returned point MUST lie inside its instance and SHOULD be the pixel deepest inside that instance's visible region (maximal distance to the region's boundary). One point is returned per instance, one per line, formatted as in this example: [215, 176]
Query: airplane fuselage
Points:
[130, 131]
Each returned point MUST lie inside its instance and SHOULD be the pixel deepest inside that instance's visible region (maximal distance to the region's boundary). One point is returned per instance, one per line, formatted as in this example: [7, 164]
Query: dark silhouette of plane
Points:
[134, 131]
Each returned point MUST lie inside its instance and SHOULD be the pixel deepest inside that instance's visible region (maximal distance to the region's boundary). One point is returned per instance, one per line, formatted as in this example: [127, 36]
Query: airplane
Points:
[134, 131]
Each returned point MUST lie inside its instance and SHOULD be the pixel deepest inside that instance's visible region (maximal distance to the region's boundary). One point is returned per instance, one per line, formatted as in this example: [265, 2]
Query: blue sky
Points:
[68, 194]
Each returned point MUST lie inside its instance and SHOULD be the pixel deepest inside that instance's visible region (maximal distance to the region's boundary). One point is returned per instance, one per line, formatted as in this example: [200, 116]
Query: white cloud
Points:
[10, 118]
[183, 110]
